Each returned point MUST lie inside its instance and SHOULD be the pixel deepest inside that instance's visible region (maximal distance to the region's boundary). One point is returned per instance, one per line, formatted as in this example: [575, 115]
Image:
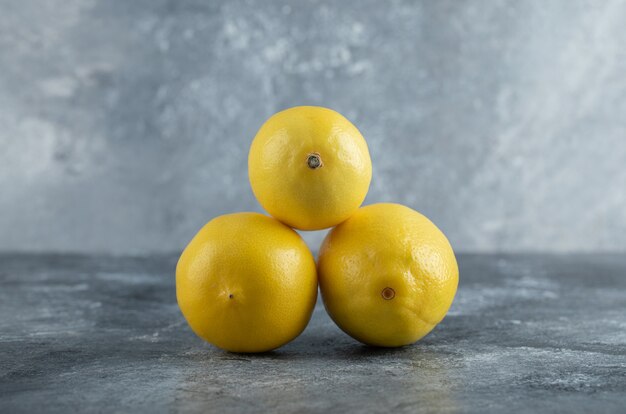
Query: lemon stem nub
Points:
[231, 296]
[388, 293]
[314, 161]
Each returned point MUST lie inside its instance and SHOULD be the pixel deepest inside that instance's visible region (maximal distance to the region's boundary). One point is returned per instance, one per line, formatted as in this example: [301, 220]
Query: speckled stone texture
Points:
[526, 333]
[125, 125]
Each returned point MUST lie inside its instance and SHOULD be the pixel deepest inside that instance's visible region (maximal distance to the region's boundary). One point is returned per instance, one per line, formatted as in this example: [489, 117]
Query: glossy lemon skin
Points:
[381, 247]
[285, 184]
[246, 283]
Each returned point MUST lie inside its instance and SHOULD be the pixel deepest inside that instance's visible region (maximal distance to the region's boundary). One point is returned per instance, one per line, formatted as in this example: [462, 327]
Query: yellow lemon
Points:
[309, 167]
[246, 283]
[387, 275]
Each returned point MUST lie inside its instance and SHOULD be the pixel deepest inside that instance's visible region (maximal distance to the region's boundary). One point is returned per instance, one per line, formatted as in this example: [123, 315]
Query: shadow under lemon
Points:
[338, 374]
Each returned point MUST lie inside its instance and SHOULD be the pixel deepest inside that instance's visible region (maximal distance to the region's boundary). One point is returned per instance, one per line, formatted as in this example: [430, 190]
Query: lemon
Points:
[309, 167]
[246, 283]
[387, 275]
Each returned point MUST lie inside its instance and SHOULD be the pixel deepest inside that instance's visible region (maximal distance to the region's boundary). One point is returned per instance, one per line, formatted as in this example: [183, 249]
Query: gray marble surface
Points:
[502, 121]
[526, 333]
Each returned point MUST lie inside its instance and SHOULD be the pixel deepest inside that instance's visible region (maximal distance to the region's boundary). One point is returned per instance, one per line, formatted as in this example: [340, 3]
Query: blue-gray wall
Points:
[125, 125]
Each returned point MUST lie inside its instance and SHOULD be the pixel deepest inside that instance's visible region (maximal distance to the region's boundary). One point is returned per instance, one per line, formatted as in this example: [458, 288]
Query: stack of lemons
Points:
[248, 283]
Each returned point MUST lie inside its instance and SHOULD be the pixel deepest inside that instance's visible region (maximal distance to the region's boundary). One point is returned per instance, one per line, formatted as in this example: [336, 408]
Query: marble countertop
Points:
[526, 333]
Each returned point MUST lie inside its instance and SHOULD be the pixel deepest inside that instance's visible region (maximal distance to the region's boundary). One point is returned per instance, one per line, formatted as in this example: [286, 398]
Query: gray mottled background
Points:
[125, 125]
